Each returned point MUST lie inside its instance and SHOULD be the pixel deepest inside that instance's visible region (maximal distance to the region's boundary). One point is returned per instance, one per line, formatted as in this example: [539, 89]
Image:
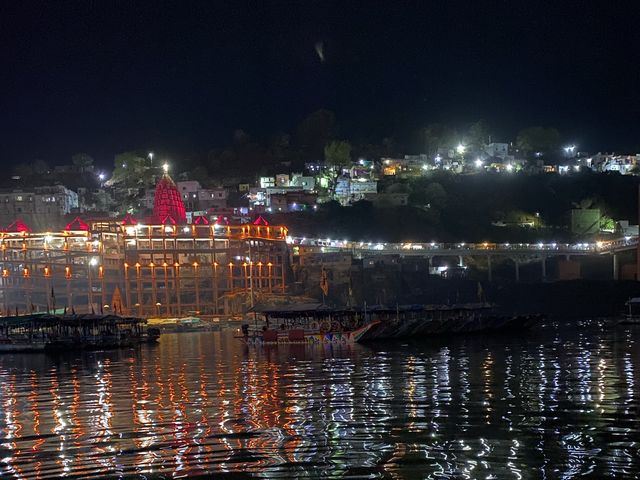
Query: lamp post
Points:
[215, 285]
[196, 281]
[177, 284]
[166, 288]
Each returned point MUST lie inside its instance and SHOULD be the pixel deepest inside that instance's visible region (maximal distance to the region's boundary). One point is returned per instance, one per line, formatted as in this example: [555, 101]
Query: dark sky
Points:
[105, 77]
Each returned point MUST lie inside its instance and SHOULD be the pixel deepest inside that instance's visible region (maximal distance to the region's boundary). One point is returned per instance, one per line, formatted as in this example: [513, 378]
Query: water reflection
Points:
[557, 404]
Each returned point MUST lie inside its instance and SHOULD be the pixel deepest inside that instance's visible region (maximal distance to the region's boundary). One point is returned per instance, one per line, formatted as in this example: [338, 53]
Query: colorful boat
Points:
[319, 324]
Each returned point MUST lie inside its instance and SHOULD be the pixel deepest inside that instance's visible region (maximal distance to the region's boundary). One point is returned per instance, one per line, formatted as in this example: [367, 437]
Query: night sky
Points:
[180, 77]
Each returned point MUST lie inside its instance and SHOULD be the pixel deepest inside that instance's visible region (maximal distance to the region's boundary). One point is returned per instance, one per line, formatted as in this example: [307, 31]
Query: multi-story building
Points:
[44, 207]
[498, 150]
[162, 268]
[282, 180]
[350, 190]
[305, 182]
[196, 198]
[292, 201]
[267, 182]
[610, 162]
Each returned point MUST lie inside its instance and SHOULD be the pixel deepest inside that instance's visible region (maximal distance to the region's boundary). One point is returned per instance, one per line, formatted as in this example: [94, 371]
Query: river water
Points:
[559, 402]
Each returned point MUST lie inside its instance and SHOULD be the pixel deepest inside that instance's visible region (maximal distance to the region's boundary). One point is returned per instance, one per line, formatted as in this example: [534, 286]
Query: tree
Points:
[23, 170]
[436, 136]
[315, 131]
[132, 169]
[337, 154]
[432, 194]
[40, 167]
[477, 136]
[537, 139]
[82, 161]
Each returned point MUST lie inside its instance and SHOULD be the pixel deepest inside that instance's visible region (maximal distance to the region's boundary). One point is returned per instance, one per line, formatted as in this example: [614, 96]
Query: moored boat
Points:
[181, 324]
[316, 323]
[9, 345]
[38, 332]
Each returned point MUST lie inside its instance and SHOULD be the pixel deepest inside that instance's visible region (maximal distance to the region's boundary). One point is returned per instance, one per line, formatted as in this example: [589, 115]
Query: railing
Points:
[599, 247]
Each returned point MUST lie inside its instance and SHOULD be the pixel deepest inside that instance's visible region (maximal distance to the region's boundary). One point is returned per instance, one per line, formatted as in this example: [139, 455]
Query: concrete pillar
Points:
[616, 275]
[544, 268]
[517, 265]
[460, 262]
[489, 272]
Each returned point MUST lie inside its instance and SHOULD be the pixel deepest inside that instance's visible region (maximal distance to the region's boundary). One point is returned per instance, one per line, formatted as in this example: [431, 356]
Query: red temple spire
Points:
[168, 202]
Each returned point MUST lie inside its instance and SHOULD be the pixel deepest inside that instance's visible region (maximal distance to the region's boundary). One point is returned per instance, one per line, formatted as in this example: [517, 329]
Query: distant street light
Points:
[570, 150]
[101, 176]
[165, 167]
[509, 167]
[479, 163]
[460, 149]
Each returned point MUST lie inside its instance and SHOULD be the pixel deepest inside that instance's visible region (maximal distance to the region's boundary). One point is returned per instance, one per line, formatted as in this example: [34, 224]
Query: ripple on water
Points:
[558, 403]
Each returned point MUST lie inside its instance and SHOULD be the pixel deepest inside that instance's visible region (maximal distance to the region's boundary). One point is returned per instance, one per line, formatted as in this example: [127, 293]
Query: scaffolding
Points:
[165, 270]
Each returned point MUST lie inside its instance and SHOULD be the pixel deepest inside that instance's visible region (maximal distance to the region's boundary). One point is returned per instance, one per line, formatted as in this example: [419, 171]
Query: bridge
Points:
[519, 253]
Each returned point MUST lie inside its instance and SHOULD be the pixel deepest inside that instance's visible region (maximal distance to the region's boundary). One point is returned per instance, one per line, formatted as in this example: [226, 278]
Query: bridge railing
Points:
[417, 247]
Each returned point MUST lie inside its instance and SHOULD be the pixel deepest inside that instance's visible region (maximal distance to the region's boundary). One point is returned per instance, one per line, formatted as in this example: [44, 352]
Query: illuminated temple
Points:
[161, 266]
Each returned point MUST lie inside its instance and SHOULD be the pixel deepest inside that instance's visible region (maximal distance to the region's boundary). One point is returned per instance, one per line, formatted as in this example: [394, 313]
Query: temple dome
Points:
[168, 202]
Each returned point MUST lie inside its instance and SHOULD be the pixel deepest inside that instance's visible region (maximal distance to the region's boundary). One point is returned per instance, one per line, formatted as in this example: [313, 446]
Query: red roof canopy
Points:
[168, 219]
[201, 220]
[77, 224]
[18, 226]
[129, 220]
[260, 221]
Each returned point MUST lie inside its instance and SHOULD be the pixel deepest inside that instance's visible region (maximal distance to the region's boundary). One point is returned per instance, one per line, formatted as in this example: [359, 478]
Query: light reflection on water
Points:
[557, 403]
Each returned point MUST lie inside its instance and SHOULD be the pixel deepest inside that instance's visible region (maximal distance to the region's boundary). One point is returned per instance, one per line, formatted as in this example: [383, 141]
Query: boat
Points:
[320, 324]
[9, 345]
[632, 317]
[39, 332]
[181, 324]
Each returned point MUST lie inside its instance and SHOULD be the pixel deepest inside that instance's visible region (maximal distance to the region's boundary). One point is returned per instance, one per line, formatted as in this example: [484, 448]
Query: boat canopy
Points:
[308, 309]
[72, 320]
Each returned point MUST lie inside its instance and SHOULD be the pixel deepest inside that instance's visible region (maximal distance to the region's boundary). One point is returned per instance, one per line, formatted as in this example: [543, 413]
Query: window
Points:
[18, 198]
